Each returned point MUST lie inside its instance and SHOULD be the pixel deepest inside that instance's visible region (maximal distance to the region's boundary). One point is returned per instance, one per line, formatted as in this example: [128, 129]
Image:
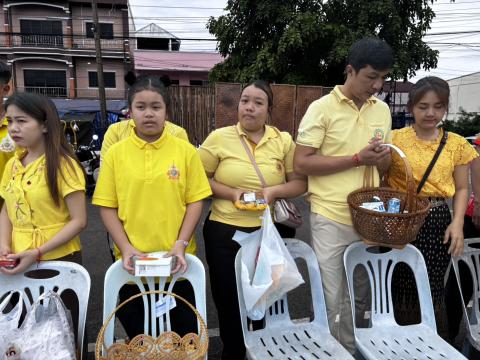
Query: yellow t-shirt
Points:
[7, 147]
[34, 216]
[151, 184]
[122, 129]
[335, 127]
[440, 182]
[223, 155]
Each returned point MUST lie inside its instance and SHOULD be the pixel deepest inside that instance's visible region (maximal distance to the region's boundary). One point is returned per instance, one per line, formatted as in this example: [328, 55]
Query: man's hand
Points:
[374, 153]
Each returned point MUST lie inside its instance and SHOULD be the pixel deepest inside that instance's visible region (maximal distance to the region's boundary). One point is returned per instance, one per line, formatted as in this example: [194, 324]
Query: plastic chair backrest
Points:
[277, 314]
[471, 257]
[379, 264]
[117, 276]
[66, 275]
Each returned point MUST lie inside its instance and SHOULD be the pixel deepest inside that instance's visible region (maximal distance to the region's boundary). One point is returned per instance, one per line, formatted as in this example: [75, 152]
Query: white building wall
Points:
[464, 94]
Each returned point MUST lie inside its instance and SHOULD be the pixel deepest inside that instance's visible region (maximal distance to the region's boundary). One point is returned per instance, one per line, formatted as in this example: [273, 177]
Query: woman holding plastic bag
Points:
[237, 189]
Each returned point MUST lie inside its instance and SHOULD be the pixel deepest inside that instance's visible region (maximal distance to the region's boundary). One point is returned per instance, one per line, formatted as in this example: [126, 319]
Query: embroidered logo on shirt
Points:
[173, 173]
[279, 166]
[378, 134]
[7, 144]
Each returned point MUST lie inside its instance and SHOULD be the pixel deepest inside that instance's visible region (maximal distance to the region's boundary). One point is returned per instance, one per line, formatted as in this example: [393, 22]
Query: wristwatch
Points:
[185, 243]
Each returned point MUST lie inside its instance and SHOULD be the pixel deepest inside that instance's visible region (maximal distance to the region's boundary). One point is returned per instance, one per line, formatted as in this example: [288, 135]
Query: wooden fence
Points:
[201, 109]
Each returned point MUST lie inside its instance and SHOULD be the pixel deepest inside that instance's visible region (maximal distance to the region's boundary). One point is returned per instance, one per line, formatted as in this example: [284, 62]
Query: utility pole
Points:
[100, 79]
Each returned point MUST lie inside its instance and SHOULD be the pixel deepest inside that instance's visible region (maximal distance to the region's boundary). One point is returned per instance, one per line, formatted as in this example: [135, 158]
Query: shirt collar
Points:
[270, 132]
[341, 97]
[20, 154]
[142, 144]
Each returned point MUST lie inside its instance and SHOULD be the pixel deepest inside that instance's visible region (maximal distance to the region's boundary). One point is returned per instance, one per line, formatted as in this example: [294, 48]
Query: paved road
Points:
[97, 259]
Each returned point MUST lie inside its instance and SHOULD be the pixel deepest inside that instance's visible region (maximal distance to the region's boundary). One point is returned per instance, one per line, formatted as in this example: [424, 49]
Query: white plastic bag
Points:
[268, 270]
[46, 333]
[9, 322]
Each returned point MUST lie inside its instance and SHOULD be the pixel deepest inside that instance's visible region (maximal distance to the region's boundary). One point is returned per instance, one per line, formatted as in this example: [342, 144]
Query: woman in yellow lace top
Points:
[441, 236]
[43, 187]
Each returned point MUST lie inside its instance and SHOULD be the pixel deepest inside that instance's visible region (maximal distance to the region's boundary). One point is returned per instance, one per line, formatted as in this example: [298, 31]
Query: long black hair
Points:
[43, 110]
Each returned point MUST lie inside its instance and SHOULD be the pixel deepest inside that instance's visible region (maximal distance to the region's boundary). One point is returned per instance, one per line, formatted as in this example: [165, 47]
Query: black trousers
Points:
[220, 251]
[452, 295]
[182, 318]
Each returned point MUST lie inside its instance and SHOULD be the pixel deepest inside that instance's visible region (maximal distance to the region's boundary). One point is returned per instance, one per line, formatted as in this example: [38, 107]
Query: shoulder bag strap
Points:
[434, 160]
[252, 159]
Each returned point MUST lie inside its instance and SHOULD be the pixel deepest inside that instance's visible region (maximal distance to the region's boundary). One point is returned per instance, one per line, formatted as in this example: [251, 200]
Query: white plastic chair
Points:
[471, 258]
[385, 339]
[65, 275]
[282, 338]
[117, 276]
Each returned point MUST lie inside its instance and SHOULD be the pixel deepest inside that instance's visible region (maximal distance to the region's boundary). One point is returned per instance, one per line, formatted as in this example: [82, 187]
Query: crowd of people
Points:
[158, 206]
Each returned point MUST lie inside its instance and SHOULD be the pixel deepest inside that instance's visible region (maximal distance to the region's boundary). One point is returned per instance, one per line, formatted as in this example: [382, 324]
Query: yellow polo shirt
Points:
[34, 216]
[335, 127]
[122, 129]
[151, 184]
[7, 146]
[223, 155]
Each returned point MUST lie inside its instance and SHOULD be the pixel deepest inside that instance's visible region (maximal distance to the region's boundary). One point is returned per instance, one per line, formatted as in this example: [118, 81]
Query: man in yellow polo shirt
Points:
[338, 136]
[7, 146]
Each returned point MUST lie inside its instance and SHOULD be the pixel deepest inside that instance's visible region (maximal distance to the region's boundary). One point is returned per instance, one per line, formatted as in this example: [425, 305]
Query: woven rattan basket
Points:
[395, 230]
[168, 346]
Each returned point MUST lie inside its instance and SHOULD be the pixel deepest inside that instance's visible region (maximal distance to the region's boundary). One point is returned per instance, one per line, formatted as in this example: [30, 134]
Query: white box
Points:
[153, 264]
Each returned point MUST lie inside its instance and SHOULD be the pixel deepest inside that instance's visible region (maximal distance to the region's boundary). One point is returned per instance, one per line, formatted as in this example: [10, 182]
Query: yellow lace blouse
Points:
[440, 183]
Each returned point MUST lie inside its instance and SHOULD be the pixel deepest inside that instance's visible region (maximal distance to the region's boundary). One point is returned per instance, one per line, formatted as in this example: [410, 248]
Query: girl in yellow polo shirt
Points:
[43, 187]
[231, 173]
[441, 235]
[150, 190]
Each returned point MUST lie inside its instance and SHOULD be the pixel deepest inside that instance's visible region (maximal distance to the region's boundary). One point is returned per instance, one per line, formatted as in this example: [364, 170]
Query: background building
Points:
[157, 51]
[464, 94]
[51, 49]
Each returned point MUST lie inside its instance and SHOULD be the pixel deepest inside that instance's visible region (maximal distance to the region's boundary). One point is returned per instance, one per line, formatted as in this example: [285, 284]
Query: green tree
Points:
[307, 41]
[468, 124]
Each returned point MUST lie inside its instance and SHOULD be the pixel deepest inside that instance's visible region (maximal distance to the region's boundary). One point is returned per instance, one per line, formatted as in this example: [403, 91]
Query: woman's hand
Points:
[127, 253]
[5, 250]
[269, 194]
[25, 260]
[454, 234]
[178, 250]
[237, 194]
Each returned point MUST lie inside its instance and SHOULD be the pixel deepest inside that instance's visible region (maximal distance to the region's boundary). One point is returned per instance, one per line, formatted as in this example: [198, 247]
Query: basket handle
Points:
[101, 334]
[410, 203]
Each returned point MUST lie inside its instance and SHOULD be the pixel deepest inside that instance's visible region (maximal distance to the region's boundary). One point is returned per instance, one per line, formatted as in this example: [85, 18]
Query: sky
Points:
[455, 31]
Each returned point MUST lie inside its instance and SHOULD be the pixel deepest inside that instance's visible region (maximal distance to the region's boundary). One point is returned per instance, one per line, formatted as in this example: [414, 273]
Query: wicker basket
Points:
[395, 230]
[168, 346]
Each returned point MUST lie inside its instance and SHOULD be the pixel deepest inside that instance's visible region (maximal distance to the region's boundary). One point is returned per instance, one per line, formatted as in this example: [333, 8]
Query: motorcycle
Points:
[90, 160]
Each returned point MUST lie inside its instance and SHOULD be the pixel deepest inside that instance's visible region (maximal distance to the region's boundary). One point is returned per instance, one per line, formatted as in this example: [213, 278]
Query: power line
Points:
[176, 7]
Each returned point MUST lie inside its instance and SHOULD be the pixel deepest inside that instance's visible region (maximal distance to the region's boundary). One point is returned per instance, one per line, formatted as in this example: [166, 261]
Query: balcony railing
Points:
[61, 41]
[87, 43]
[30, 40]
[49, 91]
[80, 93]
